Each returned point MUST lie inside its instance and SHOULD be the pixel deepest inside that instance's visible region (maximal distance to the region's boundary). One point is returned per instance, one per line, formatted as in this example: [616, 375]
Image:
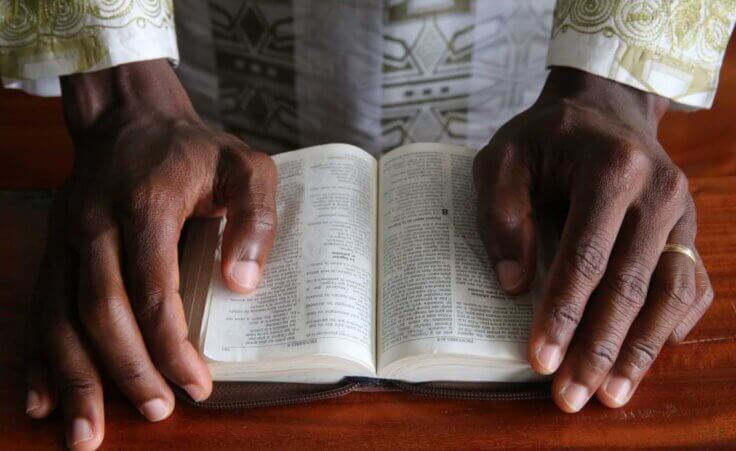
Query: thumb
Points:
[248, 182]
[505, 215]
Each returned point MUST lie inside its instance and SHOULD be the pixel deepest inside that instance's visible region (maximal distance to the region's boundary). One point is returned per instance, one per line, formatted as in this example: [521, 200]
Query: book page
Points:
[437, 292]
[317, 293]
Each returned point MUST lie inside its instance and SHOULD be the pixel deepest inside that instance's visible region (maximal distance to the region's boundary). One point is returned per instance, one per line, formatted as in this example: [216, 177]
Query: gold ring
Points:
[680, 249]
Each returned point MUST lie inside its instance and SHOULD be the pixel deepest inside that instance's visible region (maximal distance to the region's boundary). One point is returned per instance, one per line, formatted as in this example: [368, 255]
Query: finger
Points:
[77, 381]
[703, 300]
[670, 297]
[248, 189]
[41, 396]
[151, 237]
[79, 386]
[590, 231]
[109, 320]
[505, 221]
[613, 308]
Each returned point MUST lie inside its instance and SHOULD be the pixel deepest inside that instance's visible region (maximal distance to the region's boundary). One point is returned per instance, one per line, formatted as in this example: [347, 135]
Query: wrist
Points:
[130, 89]
[580, 87]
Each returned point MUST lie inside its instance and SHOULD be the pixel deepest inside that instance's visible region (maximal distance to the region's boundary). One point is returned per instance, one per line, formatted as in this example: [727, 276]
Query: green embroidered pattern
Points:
[672, 46]
[40, 30]
[683, 29]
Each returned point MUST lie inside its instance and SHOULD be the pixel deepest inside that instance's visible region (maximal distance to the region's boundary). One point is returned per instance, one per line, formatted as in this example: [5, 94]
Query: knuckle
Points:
[251, 161]
[601, 355]
[672, 184]
[149, 305]
[641, 353]
[566, 314]
[262, 162]
[669, 194]
[504, 155]
[489, 162]
[185, 140]
[589, 259]
[171, 357]
[679, 295]
[248, 171]
[262, 218]
[630, 285]
[631, 155]
[138, 198]
[144, 199]
[90, 221]
[632, 160]
[77, 384]
[630, 166]
[501, 219]
[99, 314]
[130, 373]
[568, 114]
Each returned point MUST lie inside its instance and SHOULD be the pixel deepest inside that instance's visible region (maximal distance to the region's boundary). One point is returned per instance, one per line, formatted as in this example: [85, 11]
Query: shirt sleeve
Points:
[673, 48]
[41, 40]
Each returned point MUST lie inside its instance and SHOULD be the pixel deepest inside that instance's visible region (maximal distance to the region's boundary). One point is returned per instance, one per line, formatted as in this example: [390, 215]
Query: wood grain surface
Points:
[689, 398]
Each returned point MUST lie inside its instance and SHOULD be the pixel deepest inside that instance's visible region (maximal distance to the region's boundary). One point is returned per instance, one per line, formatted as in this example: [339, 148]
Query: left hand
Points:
[612, 298]
[107, 298]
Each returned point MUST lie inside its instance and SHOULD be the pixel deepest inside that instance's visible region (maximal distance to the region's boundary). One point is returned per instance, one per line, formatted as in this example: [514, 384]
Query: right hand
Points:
[107, 297]
[612, 299]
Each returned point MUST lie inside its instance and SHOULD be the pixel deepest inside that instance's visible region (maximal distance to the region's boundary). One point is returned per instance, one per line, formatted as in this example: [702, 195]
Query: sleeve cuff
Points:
[49, 86]
[654, 57]
[35, 63]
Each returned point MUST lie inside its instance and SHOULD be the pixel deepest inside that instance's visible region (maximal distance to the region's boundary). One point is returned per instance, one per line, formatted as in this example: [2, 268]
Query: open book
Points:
[377, 271]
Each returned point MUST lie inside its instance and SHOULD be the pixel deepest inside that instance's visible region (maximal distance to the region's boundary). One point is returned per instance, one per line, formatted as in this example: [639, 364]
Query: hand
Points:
[611, 299]
[107, 297]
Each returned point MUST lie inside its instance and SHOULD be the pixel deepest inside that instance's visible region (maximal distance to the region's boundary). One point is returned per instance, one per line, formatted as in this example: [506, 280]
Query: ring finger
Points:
[612, 309]
[670, 298]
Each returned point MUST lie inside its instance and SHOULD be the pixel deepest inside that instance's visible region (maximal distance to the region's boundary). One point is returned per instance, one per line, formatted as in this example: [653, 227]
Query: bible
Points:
[377, 271]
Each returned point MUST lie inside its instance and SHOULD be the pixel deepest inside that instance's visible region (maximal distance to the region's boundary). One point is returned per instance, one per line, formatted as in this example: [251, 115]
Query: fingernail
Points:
[195, 391]
[549, 357]
[618, 388]
[155, 409]
[33, 401]
[81, 431]
[510, 274]
[246, 274]
[575, 396]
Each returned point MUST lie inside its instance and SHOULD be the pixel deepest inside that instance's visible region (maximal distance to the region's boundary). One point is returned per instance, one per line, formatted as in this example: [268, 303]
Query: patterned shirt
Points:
[377, 73]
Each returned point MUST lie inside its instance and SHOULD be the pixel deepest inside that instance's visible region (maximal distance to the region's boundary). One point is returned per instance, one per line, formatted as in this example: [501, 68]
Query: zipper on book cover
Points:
[515, 394]
[282, 401]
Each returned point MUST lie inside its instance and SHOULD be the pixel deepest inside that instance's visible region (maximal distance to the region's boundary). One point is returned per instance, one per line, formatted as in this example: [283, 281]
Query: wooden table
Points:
[688, 398]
